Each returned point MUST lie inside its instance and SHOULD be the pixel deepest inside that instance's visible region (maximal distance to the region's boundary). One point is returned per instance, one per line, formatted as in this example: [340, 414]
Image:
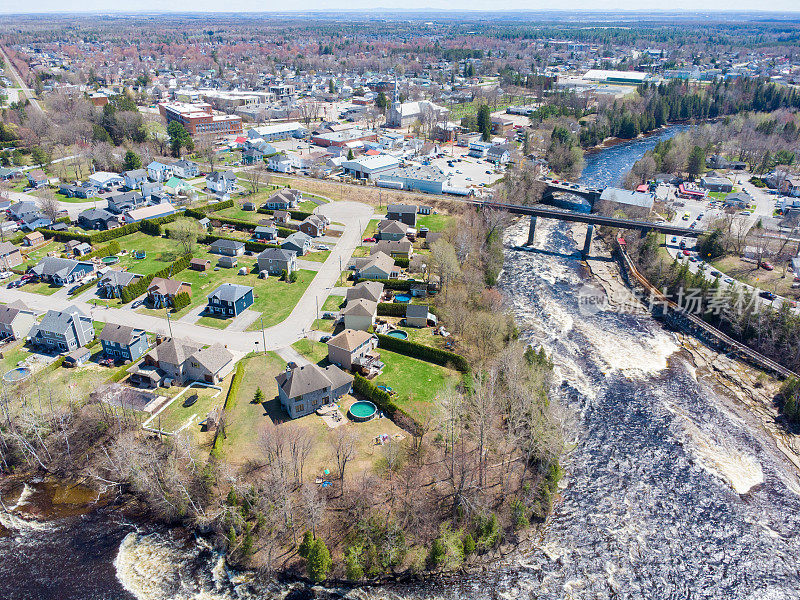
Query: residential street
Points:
[354, 215]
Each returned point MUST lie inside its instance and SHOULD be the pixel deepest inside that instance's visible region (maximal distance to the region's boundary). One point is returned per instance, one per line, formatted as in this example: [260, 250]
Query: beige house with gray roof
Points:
[304, 389]
[359, 314]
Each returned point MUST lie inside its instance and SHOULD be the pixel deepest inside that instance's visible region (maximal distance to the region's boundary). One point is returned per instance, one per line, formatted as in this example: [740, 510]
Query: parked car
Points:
[5, 275]
[106, 362]
[716, 274]
[686, 216]
[674, 239]
[767, 295]
[728, 280]
[686, 252]
[369, 240]
[767, 266]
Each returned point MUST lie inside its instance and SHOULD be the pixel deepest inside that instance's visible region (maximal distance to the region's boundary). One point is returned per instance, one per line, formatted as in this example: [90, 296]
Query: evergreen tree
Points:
[178, 138]
[484, 122]
[382, 101]
[259, 397]
[304, 548]
[350, 155]
[696, 162]
[131, 161]
[319, 561]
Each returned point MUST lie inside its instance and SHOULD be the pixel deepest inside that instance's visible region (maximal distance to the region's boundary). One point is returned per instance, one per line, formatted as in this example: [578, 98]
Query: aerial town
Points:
[365, 302]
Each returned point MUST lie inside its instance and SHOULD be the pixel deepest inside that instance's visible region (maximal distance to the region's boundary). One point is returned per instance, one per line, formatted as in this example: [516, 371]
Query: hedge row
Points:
[249, 245]
[84, 287]
[403, 285]
[233, 393]
[402, 262]
[134, 290]
[297, 215]
[422, 352]
[371, 392]
[148, 226]
[109, 250]
[203, 210]
[392, 309]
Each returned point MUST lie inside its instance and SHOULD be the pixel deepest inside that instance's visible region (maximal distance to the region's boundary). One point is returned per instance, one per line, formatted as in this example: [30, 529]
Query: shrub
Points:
[319, 561]
[297, 215]
[402, 262]
[259, 397]
[487, 530]
[519, 517]
[437, 554]
[469, 544]
[353, 567]
[84, 287]
[392, 309]
[181, 300]
[422, 352]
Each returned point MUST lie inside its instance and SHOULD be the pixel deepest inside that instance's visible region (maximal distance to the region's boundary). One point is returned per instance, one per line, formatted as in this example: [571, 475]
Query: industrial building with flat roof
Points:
[199, 118]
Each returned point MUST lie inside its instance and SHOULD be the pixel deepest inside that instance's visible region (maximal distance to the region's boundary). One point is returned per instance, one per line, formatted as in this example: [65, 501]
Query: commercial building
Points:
[370, 167]
[415, 178]
[199, 119]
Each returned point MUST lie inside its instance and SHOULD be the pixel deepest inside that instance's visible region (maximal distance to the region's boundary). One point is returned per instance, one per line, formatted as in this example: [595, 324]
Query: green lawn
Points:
[215, 322]
[177, 414]
[307, 206]
[316, 352]
[325, 325]
[41, 287]
[416, 383]
[333, 303]
[372, 228]
[276, 299]
[434, 222]
[245, 418]
[320, 256]
[160, 251]
[12, 355]
[34, 257]
[237, 213]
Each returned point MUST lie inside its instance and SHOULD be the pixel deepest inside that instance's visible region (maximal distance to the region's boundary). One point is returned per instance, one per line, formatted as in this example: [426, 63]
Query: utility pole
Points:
[169, 323]
[263, 336]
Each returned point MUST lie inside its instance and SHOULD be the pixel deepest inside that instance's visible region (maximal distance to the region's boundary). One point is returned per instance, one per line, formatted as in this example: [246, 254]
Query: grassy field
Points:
[415, 382]
[13, 354]
[245, 418]
[178, 414]
[316, 352]
[215, 321]
[325, 325]
[237, 213]
[320, 256]
[332, 303]
[46, 289]
[438, 222]
[160, 251]
[276, 299]
[36, 255]
[747, 272]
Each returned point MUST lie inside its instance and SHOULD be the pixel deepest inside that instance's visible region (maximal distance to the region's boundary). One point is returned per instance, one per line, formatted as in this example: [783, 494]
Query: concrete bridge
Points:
[546, 212]
[559, 185]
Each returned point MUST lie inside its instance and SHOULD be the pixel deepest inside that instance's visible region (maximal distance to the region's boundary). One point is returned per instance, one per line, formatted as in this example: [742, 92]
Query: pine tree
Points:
[259, 397]
[305, 546]
[319, 561]
[131, 161]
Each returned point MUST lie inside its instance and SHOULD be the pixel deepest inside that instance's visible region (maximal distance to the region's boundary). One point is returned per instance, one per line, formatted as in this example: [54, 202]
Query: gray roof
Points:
[298, 238]
[174, 352]
[8, 314]
[225, 243]
[7, 248]
[135, 173]
[122, 334]
[306, 379]
[53, 265]
[370, 290]
[416, 310]
[121, 278]
[277, 254]
[401, 208]
[230, 292]
[93, 214]
[611, 194]
[266, 229]
[220, 175]
[59, 321]
[213, 358]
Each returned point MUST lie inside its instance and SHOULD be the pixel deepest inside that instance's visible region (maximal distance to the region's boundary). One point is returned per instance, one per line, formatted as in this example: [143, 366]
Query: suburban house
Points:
[175, 186]
[185, 169]
[264, 233]
[158, 171]
[36, 178]
[225, 247]
[392, 231]
[499, 154]
[112, 282]
[368, 290]
[402, 212]
[123, 342]
[200, 264]
[284, 199]
[378, 266]
[34, 238]
[353, 349]
[304, 389]
[81, 248]
[280, 163]
[17, 210]
[359, 314]
[417, 315]
[252, 156]
[98, 218]
[149, 212]
[227, 262]
[10, 256]
[9, 173]
[34, 220]
[280, 217]
[63, 331]
[401, 248]
[169, 359]
[229, 300]
[105, 180]
[16, 320]
[314, 225]
[277, 260]
[162, 291]
[221, 182]
[62, 271]
[210, 365]
[716, 184]
[78, 190]
[119, 203]
[298, 242]
[135, 178]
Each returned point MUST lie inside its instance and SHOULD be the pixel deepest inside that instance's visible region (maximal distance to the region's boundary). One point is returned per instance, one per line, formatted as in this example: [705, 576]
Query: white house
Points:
[221, 182]
[135, 178]
[280, 163]
[158, 171]
[104, 179]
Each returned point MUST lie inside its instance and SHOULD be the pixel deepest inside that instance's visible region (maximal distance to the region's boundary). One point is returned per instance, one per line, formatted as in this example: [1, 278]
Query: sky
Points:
[46, 6]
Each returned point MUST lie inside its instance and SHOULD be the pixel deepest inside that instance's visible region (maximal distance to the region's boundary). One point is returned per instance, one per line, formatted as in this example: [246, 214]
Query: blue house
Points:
[34, 220]
[63, 331]
[123, 342]
[229, 299]
[62, 271]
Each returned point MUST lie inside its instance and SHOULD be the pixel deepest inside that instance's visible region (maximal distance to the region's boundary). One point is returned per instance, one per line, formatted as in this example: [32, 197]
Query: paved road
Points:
[354, 215]
[26, 91]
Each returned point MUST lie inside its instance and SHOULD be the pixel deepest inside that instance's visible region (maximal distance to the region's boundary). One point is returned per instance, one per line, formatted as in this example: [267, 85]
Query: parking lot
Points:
[467, 171]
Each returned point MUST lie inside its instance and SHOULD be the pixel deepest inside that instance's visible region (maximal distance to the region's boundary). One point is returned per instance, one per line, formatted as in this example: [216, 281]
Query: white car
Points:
[5, 275]
[323, 247]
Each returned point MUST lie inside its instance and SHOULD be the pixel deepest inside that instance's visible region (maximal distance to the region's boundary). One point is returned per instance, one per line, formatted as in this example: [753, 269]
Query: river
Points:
[672, 490]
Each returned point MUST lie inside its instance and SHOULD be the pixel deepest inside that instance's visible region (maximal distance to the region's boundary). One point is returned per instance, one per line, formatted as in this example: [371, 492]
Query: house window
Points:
[299, 407]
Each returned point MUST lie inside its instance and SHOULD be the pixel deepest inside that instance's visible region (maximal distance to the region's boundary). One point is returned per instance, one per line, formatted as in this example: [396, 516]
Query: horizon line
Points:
[384, 10]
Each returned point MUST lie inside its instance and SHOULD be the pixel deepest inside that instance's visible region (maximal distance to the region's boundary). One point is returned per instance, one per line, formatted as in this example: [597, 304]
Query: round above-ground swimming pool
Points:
[362, 411]
[110, 260]
[17, 374]
[398, 333]
[402, 298]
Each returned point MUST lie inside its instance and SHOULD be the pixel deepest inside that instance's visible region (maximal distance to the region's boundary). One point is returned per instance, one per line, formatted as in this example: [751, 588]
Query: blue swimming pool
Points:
[402, 298]
[398, 333]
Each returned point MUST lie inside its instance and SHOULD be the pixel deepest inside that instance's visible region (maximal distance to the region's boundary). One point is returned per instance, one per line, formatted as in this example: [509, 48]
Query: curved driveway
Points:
[354, 215]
